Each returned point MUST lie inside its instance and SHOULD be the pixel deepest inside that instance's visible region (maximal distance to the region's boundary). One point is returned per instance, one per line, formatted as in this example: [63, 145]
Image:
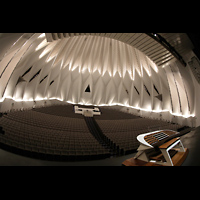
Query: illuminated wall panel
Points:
[181, 91]
[165, 91]
[116, 72]
[173, 91]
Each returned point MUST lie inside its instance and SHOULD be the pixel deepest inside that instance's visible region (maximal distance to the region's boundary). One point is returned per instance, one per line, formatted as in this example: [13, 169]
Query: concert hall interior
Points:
[96, 99]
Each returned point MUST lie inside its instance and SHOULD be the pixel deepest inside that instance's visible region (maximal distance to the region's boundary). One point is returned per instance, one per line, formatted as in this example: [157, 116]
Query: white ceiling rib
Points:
[118, 67]
[143, 42]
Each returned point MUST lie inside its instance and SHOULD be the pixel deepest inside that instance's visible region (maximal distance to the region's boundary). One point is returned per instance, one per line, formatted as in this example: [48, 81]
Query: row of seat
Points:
[113, 114]
[33, 118]
[133, 124]
[59, 110]
[124, 132]
[46, 141]
[47, 131]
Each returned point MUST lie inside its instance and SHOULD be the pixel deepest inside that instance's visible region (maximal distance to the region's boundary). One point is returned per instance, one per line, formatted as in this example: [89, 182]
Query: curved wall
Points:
[33, 70]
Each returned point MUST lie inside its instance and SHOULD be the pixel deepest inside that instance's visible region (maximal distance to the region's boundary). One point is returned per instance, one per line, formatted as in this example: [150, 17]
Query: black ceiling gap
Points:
[87, 89]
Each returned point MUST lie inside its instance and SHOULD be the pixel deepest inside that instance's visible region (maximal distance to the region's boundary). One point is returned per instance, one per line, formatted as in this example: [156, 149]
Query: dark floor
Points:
[190, 140]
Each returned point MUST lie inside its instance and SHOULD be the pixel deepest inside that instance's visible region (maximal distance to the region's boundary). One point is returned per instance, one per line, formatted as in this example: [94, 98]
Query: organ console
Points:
[161, 147]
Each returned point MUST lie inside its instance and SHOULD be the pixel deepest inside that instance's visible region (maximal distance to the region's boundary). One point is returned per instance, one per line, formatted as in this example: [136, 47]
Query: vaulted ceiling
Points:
[131, 69]
[159, 47]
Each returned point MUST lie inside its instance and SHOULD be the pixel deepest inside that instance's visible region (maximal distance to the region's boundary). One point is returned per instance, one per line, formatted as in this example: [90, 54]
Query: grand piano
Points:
[159, 148]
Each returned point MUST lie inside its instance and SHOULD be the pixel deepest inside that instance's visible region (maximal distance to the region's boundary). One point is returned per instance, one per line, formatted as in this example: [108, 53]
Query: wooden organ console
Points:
[162, 147]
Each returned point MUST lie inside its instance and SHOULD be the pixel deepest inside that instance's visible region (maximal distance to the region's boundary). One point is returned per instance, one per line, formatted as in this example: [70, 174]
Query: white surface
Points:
[112, 68]
[141, 139]
[83, 111]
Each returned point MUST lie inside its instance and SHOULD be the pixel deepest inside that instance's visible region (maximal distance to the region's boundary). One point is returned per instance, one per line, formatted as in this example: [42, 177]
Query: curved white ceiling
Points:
[161, 48]
[116, 73]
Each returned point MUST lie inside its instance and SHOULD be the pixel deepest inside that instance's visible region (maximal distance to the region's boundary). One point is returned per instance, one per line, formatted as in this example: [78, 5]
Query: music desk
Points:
[161, 147]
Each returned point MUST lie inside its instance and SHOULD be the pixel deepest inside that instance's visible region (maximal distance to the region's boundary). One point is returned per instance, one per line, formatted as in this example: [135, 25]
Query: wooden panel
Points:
[137, 162]
[179, 158]
[167, 144]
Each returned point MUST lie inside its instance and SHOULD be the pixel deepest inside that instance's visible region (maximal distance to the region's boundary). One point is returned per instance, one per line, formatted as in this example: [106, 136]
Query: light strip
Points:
[42, 35]
[112, 104]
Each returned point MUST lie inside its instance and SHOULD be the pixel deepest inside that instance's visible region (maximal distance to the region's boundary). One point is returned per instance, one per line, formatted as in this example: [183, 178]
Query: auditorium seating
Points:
[57, 133]
[48, 121]
[59, 110]
[113, 114]
[123, 132]
[50, 137]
